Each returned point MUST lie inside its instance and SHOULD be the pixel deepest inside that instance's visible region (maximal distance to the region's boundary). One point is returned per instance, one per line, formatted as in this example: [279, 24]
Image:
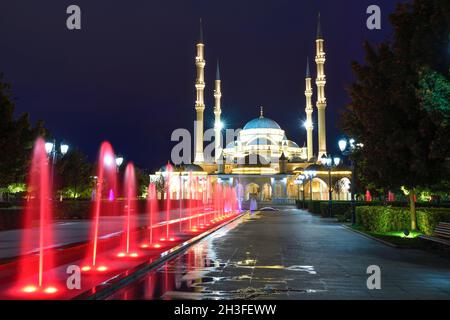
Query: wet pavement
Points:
[291, 254]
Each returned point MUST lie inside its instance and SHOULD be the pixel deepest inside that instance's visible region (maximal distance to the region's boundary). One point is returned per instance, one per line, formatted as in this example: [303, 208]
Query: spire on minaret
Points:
[308, 73]
[200, 36]
[200, 99]
[261, 115]
[218, 71]
[319, 28]
[321, 81]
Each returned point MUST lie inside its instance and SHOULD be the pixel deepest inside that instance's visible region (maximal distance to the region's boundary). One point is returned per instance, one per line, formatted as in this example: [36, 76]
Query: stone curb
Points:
[370, 237]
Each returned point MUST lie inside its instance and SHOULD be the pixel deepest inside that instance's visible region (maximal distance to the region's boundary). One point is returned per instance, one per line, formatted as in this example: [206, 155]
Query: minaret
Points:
[200, 101]
[309, 111]
[217, 113]
[321, 100]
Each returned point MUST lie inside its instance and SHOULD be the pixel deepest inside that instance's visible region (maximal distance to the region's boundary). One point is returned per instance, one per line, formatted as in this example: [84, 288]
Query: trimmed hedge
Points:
[386, 219]
[428, 219]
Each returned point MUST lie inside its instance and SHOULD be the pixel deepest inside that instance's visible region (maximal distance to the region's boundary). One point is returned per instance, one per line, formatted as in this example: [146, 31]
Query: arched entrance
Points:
[342, 190]
[319, 190]
[267, 192]
[251, 191]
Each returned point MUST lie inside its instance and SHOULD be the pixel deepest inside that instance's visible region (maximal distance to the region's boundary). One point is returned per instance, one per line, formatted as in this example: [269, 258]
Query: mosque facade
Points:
[262, 163]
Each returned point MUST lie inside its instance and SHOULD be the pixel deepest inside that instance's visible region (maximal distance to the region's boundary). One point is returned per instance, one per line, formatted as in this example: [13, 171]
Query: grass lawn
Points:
[397, 238]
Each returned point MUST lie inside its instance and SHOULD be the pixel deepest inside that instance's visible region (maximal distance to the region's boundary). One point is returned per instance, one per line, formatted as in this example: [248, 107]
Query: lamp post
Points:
[347, 147]
[300, 181]
[330, 163]
[119, 162]
[53, 153]
[310, 174]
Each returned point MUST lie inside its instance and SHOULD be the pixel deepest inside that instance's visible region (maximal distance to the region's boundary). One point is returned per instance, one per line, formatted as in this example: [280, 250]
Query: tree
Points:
[74, 172]
[17, 137]
[399, 103]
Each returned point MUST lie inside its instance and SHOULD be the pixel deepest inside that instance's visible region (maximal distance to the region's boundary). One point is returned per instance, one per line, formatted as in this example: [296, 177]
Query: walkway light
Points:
[64, 148]
[337, 161]
[342, 145]
[119, 161]
[48, 147]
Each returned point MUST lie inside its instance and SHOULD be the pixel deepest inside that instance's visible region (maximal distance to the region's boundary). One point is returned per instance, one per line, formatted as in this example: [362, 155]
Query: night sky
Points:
[128, 76]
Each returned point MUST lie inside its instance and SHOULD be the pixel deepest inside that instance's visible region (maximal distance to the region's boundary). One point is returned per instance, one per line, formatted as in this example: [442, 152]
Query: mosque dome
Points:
[262, 123]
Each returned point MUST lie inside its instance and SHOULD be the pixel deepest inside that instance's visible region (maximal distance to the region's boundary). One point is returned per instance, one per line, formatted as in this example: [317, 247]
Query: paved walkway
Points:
[293, 255]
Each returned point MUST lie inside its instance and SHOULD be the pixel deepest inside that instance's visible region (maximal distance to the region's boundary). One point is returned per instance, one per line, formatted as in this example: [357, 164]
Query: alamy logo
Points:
[374, 280]
[374, 20]
[74, 279]
[73, 21]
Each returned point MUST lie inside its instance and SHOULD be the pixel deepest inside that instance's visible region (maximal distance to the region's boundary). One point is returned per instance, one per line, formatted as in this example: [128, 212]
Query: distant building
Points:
[262, 163]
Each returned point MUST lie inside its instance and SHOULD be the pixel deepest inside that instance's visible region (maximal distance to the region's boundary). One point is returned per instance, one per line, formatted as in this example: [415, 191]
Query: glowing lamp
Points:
[406, 232]
[342, 145]
[64, 148]
[337, 161]
[119, 161]
[156, 246]
[134, 255]
[86, 268]
[102, 268]
[48, 147]
[121, 255]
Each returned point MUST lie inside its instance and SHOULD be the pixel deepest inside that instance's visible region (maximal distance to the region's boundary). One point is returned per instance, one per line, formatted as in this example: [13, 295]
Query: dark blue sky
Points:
[128, 75]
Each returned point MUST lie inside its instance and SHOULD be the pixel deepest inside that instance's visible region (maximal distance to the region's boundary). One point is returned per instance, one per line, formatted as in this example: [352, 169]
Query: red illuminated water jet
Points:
[168, 176]
[129, 206]
[105, 188]
[36, 276]
[152, 209]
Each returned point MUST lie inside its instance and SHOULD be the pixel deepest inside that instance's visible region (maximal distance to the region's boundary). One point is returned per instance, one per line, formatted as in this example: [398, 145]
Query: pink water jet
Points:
[35, 275]
[169, 170]
[152, 209]
[129, 206]
[105, 185]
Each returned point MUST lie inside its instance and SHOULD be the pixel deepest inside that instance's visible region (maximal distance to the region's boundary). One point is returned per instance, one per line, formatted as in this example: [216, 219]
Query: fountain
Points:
[105, 188]
[128, 235]
[168, 176]
[35, 275]
[152, 209]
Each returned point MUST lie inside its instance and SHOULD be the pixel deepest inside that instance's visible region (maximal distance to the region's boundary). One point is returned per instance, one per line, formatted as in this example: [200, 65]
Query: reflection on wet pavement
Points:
[291, 254]
[198, 272]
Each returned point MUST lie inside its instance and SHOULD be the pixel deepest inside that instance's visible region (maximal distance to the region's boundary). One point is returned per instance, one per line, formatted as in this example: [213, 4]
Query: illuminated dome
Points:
[262, 123]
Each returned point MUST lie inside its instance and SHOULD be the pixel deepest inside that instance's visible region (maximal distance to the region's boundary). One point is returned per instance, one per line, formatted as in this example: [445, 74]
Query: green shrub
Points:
[314, 206]
[386, 219]
[428, 219]
[339, 209]
[382, 219]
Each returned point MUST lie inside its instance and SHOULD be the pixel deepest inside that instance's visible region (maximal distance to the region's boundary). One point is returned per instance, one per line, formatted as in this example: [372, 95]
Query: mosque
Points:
[262, 163]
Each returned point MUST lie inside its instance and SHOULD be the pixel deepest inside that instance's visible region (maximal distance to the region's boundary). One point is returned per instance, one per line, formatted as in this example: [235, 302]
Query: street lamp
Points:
[330, 163]
[64, 148]
[52, 152]
[347, 147]
[311, 175]
[119, 161]
[300, 181]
